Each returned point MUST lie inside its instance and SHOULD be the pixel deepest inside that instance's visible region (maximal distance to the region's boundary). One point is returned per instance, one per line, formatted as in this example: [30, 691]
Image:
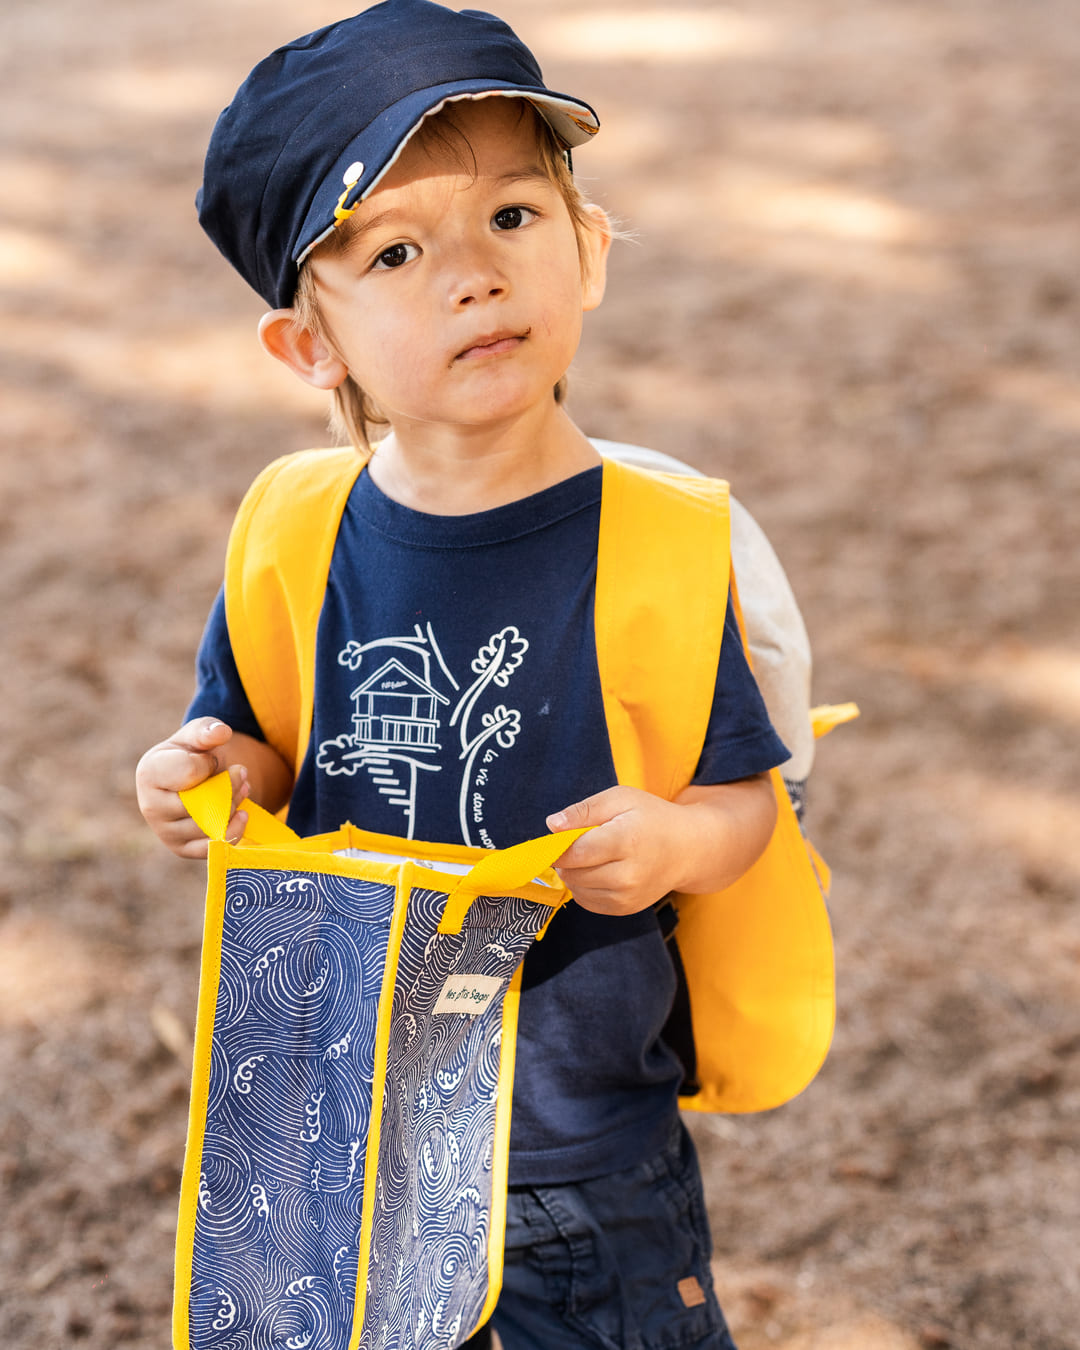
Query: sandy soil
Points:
[854, 292]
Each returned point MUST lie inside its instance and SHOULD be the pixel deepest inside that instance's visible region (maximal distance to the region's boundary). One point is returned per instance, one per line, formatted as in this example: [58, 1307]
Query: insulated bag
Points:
[345, 1177]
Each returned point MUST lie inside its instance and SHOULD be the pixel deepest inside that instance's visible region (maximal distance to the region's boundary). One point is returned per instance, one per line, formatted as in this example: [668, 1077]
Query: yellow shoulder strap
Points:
[757, 956]
[661, 592]
[276, 569]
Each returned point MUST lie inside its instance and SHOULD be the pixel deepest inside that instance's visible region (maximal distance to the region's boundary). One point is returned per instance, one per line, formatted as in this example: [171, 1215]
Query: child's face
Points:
[458, 299]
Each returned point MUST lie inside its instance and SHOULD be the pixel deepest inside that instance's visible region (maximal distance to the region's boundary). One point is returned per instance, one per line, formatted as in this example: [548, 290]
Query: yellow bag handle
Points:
[507, 869]
[209, 804]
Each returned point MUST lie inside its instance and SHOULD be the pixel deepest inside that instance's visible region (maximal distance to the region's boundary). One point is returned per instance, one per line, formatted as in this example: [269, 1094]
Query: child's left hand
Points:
[643, 846]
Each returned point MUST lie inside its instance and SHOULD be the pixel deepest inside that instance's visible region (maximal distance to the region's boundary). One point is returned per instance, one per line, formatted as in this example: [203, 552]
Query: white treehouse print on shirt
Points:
[399, 714]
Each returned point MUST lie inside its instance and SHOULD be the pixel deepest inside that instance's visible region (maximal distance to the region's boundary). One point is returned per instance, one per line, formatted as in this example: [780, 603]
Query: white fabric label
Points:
[469, 994]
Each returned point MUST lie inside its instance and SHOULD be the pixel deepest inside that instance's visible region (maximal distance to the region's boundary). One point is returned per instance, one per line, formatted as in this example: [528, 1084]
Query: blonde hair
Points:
[353, 410]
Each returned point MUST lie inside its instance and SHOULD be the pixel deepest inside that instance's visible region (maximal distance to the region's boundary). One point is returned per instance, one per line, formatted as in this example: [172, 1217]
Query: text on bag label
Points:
[469, 994]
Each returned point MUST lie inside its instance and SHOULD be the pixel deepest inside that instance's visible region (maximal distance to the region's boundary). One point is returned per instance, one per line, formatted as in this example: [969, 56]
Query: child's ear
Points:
[302, 349]
[594, 244]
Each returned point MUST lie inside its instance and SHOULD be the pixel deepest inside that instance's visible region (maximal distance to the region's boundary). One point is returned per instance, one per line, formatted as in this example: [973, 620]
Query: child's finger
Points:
[607, 889]
[183, 837]
[164, 772]
[197, 849]
[191, 755]
[234, 831]
[595, 810]
[187, 841]
[241, 787]
[604, 876]
[595, 849]
[203, 733]
[203, 740]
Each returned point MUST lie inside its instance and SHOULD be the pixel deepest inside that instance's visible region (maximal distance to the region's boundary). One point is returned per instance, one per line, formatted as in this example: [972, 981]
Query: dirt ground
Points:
[854, 291]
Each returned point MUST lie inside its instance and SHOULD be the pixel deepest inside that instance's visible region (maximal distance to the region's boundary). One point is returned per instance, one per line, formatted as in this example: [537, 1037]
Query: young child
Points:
[396, 186]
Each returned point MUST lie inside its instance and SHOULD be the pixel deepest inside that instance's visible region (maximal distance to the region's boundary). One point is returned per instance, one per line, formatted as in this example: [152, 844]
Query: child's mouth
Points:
[493, 345]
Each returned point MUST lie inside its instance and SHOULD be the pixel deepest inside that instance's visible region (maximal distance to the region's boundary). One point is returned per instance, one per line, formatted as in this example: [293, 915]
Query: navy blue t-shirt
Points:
[457, 699]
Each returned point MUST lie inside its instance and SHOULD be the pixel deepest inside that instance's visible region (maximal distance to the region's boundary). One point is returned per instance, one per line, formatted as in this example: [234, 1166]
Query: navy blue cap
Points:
[316, 125]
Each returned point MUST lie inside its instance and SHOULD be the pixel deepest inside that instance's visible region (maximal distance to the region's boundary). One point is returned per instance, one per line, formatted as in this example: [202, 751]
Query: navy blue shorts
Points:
[619, 1262]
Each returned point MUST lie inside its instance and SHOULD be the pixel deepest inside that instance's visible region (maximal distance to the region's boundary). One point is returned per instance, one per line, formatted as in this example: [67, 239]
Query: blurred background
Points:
[854, 291]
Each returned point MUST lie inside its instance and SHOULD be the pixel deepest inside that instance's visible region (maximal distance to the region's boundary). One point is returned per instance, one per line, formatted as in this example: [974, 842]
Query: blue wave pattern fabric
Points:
[293, 1061]
[281, 1180]
[427, 1279]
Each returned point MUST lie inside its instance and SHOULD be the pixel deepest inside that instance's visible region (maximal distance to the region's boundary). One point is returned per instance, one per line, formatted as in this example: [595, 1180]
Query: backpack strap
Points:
[757, 956]
[658, 637]
[276, 569]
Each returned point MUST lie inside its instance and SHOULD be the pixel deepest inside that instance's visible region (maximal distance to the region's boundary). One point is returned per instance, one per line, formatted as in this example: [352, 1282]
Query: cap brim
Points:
[378, 147]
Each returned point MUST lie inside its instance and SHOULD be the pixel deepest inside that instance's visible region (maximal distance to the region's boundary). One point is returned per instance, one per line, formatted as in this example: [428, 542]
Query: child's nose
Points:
[475, 276]
[470, 295]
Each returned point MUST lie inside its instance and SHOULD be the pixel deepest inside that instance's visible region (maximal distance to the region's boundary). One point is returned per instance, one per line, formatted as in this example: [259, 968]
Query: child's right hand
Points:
[194, 753]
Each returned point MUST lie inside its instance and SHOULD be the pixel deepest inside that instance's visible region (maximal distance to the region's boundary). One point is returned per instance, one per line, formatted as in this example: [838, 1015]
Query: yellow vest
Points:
[757, 956]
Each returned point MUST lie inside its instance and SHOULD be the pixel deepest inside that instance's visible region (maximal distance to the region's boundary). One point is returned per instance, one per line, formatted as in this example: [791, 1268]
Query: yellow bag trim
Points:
[382, 1049]
[758, 956]
[209, 975]
[500, 1152]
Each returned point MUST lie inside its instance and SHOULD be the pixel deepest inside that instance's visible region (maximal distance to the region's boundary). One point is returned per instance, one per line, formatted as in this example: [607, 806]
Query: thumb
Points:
[594, 810]
[204, 733]
[202, 743]
[570, 818]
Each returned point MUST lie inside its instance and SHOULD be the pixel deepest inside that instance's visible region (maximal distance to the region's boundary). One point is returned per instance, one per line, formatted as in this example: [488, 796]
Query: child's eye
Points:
[512, 217]
[395, 256]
